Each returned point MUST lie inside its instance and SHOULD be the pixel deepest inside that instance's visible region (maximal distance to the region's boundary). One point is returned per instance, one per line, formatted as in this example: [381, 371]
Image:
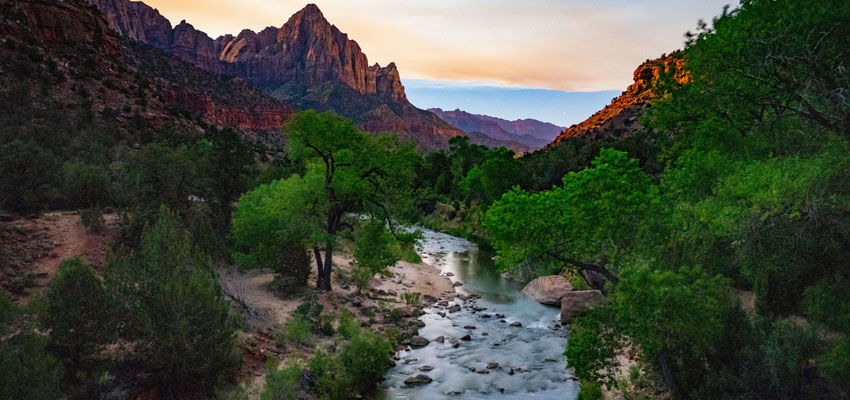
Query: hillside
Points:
[65, 56]
[620, 119]
[307, 63]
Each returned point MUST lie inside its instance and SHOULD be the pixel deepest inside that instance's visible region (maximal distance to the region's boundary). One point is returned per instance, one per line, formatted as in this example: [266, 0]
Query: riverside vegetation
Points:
[735, 183]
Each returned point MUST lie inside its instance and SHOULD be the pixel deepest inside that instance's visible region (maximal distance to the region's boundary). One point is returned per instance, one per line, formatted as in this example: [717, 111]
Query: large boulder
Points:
[573, 303]
[548, 290]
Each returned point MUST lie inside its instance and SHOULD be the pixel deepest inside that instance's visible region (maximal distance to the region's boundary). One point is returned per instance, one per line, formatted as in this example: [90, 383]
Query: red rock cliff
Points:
[620, 118]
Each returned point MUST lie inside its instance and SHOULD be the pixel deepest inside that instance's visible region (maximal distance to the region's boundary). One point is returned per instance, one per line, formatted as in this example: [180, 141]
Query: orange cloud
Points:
[557, 44]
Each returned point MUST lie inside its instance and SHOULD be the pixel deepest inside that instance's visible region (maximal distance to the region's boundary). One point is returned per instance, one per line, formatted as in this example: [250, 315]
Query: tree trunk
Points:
[667, 372]
[325, 273]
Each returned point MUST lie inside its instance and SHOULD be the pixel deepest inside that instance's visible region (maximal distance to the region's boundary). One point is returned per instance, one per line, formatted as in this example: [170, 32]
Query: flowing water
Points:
[530, 358]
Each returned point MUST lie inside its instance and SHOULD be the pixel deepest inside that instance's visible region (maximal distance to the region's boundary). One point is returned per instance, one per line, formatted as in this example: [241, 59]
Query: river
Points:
[530, 358]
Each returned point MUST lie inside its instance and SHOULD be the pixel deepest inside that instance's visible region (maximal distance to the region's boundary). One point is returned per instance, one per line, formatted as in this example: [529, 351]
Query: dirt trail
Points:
[32, 249]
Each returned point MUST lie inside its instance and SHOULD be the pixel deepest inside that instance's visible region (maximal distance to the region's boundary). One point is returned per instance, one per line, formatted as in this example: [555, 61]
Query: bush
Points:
[590, 391]
[359, 366]
[283, 384]
[411, 298]
[348, 325]
[77, 312]
[29, 371]
[92, 220]
[298, 330]
[361, 277]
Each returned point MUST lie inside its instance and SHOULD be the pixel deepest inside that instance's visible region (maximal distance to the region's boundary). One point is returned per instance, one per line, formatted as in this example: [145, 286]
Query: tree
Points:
[173, 305]
[590, 223]
[348, 173]
[78, 313]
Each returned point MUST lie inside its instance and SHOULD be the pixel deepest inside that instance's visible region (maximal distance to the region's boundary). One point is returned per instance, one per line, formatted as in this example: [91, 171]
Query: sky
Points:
[566, 45]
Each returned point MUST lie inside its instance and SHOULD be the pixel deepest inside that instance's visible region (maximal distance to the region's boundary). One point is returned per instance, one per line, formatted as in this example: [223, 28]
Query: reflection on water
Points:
[500, 361]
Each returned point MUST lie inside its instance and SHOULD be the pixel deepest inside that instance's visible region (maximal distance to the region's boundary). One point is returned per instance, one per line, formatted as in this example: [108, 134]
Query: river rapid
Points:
[499, 361]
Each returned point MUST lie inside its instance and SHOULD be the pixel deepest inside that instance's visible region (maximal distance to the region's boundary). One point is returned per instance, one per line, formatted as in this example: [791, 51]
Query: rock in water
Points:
[419, 379]
[575, 302]
[419, 341]
[548, 290]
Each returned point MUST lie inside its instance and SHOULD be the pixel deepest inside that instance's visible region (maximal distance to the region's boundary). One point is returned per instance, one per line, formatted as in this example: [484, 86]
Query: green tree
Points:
[174, 306]
[78, 313]
[591, 223]
[348, 172]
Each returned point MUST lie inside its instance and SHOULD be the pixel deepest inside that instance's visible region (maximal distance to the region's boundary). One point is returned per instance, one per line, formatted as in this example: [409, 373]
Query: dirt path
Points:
[33, 249]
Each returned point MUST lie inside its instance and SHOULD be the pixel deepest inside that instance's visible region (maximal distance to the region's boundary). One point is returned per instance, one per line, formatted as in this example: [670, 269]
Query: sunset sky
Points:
[568, 45]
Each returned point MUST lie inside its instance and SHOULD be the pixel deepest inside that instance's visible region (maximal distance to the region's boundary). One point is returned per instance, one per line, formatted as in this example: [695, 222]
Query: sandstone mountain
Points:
[530, 132]
[307, 63]
[64, 56]
[620, 119]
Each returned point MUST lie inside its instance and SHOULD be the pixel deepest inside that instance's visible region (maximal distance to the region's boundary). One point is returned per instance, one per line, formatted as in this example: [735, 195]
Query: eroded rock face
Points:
[620, 118]
[573, 303]
[548, 290]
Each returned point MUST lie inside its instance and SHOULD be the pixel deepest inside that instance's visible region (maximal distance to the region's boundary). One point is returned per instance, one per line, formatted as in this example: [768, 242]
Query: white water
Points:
[534, 351]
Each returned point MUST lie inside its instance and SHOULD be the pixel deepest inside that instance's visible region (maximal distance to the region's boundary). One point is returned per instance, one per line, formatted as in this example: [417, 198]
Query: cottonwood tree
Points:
[348, 174]
[590, 223]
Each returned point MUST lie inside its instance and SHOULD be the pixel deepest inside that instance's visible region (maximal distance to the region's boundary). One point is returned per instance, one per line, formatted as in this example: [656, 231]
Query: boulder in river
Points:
[548, 290]
[577, 301]
[418, 341]
[419, 379]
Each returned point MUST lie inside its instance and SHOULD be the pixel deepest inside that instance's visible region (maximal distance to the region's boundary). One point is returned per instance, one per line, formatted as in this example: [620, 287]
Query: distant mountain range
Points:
[529, 132]
[306, 63]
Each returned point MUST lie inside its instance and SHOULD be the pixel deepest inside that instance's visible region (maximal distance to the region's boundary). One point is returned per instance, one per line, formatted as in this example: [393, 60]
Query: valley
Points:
[265, 215]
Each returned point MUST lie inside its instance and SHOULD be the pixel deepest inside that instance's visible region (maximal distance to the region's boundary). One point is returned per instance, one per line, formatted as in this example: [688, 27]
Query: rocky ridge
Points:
[307, 63]
[620, 119]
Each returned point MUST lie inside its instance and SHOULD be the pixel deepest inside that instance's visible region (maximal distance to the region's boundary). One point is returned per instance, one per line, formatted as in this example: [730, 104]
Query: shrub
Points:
[366, 358]
[77, 312]
[835, 363]
[298, 330]
[29, 371]
[411, 298]
[361, 276]
[348, 325]
[310, 309]
[283, 384]
[327, 324]
[590, 391]
[92, 220]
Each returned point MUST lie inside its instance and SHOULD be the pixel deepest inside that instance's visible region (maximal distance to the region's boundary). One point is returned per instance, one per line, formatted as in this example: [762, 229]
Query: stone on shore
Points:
[575, 302]
[548, 290]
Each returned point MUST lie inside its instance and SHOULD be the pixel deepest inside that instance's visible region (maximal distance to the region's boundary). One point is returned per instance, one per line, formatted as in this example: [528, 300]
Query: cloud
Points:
[558, 44]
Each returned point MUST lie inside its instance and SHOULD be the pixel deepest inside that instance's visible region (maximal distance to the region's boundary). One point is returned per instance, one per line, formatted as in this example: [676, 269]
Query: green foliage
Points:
[174, 306]
[361, 277]
[283, 384]
[29, 371]
[92, 219]
[298, 330]
[836, 362]
[347, 173]
[411, 298]
[78, 313]
[590, 390]
[354, 372]
[374, 247]
[348, 324]
[594, 216]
